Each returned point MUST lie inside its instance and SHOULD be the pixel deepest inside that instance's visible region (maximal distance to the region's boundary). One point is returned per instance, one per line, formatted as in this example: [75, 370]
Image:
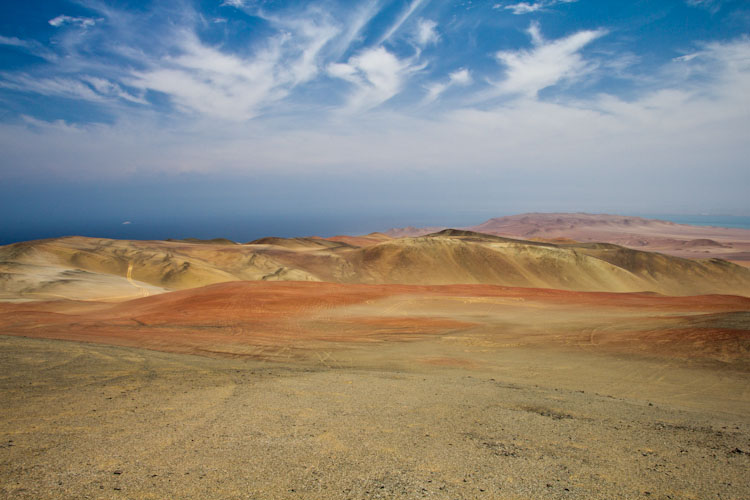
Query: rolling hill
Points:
[95, 268]
[681, 240]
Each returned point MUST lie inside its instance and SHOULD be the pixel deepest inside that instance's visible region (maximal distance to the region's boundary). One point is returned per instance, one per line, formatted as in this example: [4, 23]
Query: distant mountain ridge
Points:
[93, 268]
[681, 240]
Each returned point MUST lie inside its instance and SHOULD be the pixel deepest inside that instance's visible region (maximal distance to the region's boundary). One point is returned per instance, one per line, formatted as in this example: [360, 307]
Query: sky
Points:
[245, 118]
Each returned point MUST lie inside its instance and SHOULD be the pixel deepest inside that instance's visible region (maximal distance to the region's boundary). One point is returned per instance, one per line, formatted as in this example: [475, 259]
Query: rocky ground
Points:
[94, 421]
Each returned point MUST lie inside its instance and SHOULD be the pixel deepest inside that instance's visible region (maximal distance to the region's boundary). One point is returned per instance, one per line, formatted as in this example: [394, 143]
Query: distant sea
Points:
[732, 221]
[243, 229]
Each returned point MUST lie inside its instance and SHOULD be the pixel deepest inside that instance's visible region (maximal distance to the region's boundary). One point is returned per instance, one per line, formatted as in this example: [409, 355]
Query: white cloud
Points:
[211, 82]
[687, 127]
[415, 4]
[676, 130]
[668, 143]
[345, 71]
[535, 33]
[712, 6]
[524, 7]
[695, 114]
[548, 63]
[107, 88]
[13, 41]
[30, 46]
[302, 44]
[461, 77]
[377, 74]
[61, 87]
[353, 28]
[87, 88]
[426, 32]
[83, 22]
[233, 3]
[433, 92]
[203, 79]
[687, 57]
[521, 8]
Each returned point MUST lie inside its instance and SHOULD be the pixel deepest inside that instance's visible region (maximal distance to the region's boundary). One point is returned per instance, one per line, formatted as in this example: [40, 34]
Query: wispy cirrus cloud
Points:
[377, 75]
[426, 32]
[87, 88]
[521, 8]
[380, 86]
[207, 80]
[233, 3]
[400, 20]
[460, 77]
[32, 47]
[83, 22]
[665, 136]
[712, 6]
[13, 41]
[687, 126]
[549, 62]
[204, 80]
[301, 42]
[354, 28]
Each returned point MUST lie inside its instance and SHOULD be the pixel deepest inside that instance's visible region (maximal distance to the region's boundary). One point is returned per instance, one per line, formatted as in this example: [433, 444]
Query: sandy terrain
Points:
[282, 320]
[681, 240]
[321, 390]
[98, 269]
[453, 365]
[384, 421]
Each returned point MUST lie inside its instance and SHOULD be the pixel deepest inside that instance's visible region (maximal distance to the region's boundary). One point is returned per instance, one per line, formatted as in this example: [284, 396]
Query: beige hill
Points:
[93, 268]
[78, 267]
[681, 240]
[466, 257]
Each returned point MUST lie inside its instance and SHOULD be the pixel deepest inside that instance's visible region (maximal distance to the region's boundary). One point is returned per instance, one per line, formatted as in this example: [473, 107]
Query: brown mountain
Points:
[92, 268]
[682, 240]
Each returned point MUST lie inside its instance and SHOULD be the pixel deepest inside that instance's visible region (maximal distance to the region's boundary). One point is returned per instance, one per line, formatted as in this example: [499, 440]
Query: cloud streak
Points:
[461, 77]
[426, 32]
[675, 130]
[370, 89]
[527, 72]
[82, 22]
[712, 6]
[377, 75]
[413, 6]
[521, 8]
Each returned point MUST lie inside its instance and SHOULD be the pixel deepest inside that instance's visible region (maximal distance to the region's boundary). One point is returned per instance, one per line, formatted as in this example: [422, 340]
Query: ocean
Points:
[246, 228]
[732, 221]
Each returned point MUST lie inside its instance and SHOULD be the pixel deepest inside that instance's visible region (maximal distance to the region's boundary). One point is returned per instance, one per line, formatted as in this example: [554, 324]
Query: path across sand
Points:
[143, 290]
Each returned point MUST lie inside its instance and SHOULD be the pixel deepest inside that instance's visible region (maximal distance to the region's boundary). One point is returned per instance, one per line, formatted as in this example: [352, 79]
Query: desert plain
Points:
[452, 364]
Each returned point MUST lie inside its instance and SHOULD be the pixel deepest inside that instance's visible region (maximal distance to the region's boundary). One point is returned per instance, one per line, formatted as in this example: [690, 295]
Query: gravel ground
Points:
[92, 421]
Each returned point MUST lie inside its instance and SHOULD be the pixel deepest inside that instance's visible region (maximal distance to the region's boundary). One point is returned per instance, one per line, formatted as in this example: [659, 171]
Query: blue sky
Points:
[411, 108]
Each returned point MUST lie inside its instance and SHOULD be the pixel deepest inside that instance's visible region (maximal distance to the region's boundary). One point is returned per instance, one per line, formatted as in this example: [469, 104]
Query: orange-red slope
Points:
[262, 318]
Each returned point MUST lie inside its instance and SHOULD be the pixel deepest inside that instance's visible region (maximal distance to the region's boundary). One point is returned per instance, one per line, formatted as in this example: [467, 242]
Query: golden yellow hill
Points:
[95, 268]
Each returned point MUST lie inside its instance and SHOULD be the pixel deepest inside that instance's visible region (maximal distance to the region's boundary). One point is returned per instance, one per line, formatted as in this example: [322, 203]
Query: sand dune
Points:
[30, 268]
[465, 257]
[362, 241]
[271, 320]
[92, 268]
[682, 240]
[390, 367]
